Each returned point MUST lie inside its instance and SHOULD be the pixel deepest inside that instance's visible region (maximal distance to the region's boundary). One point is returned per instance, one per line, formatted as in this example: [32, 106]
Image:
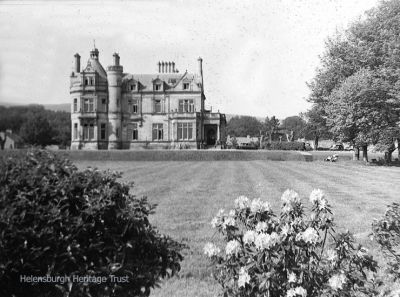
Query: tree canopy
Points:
[355, 91]
[36, 125]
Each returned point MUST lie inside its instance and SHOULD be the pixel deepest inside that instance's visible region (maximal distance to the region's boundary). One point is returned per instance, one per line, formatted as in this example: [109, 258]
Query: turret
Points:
[114, 77]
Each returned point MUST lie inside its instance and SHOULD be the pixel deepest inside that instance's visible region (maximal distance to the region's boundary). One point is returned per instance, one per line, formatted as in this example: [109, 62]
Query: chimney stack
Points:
[116, 59]
[159, 67]
[162, 67]
[169, 67]
[77, 67]
[173, 67]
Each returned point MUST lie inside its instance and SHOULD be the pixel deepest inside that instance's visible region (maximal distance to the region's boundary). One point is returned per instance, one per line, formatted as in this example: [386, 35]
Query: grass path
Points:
[189, 194]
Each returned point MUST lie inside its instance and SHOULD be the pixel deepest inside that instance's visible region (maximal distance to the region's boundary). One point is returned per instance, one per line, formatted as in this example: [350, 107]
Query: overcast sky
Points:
[257, 55]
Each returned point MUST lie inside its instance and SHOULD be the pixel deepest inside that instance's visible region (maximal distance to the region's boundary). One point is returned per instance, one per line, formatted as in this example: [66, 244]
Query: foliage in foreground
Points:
[290, 255]
[386, 232]
[58, 221]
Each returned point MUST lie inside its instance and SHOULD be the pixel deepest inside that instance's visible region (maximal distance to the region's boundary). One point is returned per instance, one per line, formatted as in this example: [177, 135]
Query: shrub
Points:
[57, 221]
[290, 255]
[386, 232]
[287, 146]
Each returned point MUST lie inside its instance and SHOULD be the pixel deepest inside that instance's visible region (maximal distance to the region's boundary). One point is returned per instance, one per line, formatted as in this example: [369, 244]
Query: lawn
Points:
[190, 193]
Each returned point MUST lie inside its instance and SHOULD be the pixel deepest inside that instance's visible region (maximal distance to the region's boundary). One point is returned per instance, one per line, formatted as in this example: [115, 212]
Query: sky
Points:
[257, 55]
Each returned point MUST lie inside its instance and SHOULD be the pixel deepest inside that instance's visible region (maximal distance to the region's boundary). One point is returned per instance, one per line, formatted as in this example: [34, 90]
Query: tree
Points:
[316, 127]
[271, 126]
[56, 221]
[241, 126]
[362, 110]
[294, 126]
[37, 130]
[372, 45]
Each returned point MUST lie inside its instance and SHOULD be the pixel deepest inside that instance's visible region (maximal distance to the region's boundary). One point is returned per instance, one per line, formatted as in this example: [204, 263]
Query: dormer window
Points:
[132, 87]
[186, 86]
[86, 81]
[157, 87]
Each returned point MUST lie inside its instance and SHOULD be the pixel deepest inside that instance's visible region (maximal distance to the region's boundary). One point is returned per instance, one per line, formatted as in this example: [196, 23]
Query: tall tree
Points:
[367, 53]
[294, 127]
[241, 126]
[271, 126]
[316, 127]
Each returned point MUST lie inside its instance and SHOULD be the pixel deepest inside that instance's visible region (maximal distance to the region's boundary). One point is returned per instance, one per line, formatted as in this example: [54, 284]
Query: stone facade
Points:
[116, 110]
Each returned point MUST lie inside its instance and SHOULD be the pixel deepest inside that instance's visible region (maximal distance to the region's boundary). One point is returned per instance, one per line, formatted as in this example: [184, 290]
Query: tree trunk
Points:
[365, 153]
[3, 141]
[356, 155]
[388, 154]
[316, 142]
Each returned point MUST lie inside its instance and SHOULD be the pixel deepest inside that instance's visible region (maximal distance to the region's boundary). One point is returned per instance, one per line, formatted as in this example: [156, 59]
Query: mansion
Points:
[116, 110]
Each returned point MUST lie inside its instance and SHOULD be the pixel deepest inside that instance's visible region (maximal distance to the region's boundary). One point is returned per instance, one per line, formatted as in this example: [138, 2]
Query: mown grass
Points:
[190, 193]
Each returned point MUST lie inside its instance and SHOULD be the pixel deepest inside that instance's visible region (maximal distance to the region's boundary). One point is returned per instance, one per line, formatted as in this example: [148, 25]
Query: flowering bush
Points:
[290, 255]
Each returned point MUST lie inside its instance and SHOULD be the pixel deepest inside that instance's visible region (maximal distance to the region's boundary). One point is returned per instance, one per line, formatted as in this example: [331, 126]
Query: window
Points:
[157, 87]
[132, 87]
[133, 132]
[92, 81]
[133, 106]
[75, 105]
[91, 131]
[186, 105]
[186, 86]
[157, 105]
[88, 131]
[117, 102]
[103, 131]
[185, 131]
[88, 105]
[104, 104]
[158, 133]
[86, 81]
[75, 131]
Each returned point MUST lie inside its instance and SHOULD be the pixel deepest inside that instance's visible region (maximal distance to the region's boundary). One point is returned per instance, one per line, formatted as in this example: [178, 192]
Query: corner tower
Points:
[114, 76]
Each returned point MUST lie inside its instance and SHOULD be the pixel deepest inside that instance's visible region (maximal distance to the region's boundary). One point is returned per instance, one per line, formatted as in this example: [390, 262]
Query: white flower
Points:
[232, 248]
[301, 291]
[285, 230]
[309, 235]
[257, 205]
[316, 196]
[290, 196]
[261, 226]
[228, 221]
[249, 237]
[337, 281]
[242, 202]
[292, 278]
[287, 208]
[265, 241]
[331, 255]
[291, 293]
[211, 249]
[232, 213]
[244, 277]
[215, 222]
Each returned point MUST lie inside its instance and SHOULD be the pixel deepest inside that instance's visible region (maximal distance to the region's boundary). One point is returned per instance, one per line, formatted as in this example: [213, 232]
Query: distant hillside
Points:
[67, 107]
[229, 116]
[54, 107]
[58, 107]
